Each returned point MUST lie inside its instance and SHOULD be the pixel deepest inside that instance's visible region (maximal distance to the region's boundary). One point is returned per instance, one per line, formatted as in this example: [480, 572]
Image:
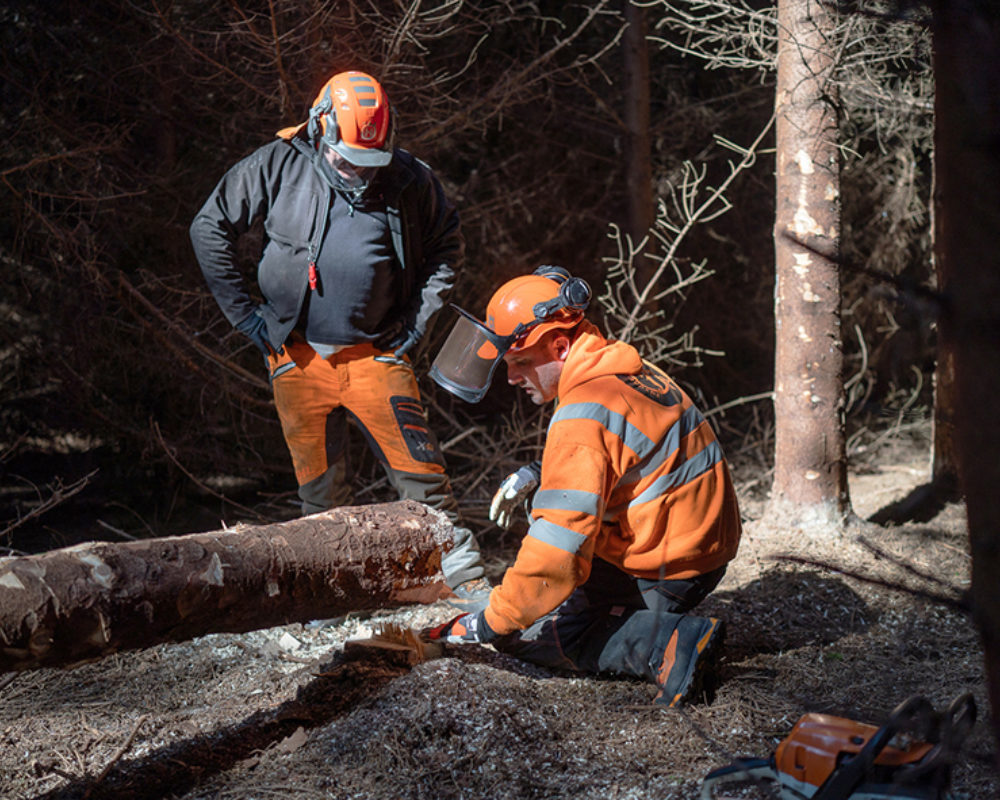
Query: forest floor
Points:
[280, 713]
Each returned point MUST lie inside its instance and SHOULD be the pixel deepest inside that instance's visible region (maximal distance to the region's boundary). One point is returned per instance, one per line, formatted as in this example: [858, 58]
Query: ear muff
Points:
[315, 129]
[574, 295]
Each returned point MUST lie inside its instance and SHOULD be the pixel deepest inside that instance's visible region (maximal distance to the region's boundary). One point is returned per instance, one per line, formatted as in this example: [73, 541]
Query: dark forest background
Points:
[129, 407]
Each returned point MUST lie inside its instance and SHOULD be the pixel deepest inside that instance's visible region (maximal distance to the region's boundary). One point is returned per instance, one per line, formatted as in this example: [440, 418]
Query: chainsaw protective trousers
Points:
[612, 623]
[316, 397]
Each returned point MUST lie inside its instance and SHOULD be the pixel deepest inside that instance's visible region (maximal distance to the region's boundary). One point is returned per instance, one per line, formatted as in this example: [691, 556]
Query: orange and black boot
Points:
[689, 668]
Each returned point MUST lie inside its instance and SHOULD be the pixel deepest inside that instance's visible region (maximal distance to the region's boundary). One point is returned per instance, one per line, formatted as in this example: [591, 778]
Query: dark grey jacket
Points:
[279, 185]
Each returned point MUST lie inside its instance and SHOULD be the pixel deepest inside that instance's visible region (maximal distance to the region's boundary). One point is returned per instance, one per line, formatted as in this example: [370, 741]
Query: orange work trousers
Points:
[315, 397]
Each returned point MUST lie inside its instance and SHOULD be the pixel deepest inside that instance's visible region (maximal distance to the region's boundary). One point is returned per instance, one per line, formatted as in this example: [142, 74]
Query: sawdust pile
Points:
[281, 713]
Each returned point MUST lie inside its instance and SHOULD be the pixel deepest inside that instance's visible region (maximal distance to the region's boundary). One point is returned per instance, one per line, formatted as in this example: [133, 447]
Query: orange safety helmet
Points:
[532, 305]
[351, 115]
[517, 316]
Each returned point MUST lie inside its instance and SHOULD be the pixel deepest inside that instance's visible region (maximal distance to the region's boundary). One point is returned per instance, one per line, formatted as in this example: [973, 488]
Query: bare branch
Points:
[625, 303]
[59, 494]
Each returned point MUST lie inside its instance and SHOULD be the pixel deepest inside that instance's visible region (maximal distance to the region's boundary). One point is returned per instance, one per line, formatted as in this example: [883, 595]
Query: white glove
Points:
[512, 492]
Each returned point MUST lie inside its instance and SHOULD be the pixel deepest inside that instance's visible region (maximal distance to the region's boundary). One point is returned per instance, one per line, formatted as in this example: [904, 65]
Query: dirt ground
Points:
[281, 713]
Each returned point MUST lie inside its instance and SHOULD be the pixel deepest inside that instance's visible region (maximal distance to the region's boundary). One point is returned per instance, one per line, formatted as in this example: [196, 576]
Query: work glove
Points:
[400, 340]
[514, 491]
[255, 329]
[463, 629]
[410, 339]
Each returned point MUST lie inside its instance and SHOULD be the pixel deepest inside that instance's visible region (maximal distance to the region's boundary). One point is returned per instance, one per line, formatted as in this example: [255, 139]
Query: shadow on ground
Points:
[787, 609]
[921, 504]
[173, 770]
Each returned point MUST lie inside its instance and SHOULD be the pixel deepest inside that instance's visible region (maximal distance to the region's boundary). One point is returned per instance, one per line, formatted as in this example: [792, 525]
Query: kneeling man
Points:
[634, 518]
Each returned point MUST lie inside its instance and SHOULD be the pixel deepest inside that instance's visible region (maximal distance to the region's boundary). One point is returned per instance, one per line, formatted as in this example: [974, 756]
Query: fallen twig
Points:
[959, 602]
[905, 566]
[116, 757]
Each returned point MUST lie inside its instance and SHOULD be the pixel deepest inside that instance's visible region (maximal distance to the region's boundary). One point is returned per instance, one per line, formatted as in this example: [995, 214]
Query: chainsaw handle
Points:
[954, 725]
[846, 778]
[959, 719]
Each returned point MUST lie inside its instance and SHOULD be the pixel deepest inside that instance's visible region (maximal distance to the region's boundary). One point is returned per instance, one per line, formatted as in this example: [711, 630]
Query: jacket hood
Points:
[592, 356]
[289, 133]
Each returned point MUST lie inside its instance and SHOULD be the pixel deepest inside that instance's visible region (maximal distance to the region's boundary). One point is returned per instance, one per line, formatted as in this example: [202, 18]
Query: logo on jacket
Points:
[654, 384]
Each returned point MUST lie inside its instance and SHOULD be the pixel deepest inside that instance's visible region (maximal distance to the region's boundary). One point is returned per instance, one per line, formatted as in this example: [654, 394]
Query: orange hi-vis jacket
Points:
[631, 472]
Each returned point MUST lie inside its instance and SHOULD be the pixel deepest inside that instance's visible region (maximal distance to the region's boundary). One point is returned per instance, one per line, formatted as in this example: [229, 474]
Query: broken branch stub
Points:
[83, 602]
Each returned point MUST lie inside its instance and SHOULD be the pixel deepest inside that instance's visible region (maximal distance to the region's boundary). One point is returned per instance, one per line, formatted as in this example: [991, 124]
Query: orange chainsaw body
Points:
[832, 758]
[818, 744]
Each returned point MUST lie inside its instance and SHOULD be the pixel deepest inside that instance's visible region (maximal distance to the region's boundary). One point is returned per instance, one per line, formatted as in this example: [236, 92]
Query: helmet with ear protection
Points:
[532, 305]
[351, 115]
[518, 315]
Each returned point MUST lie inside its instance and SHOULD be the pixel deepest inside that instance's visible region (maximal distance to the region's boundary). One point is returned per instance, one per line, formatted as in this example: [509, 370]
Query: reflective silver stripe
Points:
[685, 473]
[688, 422]
[557, 536]
[568, 500]
[613, 422]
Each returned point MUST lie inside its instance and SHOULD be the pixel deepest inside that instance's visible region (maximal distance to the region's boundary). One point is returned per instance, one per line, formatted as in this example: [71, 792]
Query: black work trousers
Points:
[613, 623]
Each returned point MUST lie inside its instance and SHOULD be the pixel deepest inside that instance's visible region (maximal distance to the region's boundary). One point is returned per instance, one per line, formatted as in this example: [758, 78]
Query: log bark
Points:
[81, 603]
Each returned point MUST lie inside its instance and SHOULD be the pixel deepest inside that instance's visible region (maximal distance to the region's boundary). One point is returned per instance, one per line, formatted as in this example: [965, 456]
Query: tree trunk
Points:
[967, 152]
[80, 603]
[638, 146]
[944, 459]
[810, 476]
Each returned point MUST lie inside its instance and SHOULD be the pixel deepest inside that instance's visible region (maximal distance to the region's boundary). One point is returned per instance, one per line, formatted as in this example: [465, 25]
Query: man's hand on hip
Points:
[255, 329]
[399, 340]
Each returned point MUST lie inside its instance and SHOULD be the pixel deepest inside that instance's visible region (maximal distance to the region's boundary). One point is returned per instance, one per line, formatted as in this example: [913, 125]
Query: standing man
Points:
[360, 246]
[635, 517]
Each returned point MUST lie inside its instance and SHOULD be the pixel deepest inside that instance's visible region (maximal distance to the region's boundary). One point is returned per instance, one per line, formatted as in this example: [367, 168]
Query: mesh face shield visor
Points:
[469, 357]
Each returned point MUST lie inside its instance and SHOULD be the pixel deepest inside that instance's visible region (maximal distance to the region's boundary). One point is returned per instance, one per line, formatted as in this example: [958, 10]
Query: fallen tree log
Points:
[81, 603]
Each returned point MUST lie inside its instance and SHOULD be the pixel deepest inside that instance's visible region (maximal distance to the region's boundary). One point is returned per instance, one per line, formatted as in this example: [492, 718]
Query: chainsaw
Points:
[832, 758]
